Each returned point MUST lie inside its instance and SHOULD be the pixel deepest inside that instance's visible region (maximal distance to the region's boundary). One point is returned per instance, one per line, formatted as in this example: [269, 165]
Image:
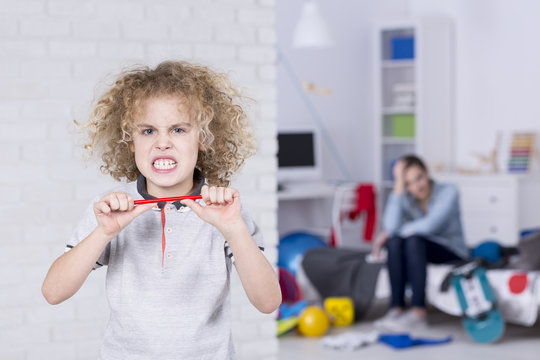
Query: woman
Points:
[421, 224]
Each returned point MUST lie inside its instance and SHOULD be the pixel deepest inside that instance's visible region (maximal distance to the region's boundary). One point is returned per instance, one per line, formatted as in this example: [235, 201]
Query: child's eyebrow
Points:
[173, 126]
[182, 125]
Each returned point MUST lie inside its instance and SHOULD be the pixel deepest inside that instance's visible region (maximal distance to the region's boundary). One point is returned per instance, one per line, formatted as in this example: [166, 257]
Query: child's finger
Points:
[193, 205]
[228, 195]
[131, 203]
[114, 203]
[220, 195]
[123, 201]
[212, 195]
[204, 194]
[139, 209]
[102, 207]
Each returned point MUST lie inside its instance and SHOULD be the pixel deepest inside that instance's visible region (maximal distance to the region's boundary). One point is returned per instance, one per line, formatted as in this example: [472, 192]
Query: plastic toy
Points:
[287, 311]
[292, 247]
[482, 320]
[286, 325]
[340, 310]
[403, 341]
[290, 290]
[313, 322]
[488, 250]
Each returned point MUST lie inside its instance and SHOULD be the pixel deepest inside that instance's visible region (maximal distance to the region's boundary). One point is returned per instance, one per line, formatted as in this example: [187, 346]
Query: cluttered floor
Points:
[518, 342]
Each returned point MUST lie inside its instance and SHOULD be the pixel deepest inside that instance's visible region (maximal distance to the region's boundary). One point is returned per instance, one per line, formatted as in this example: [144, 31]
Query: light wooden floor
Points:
[518, 343]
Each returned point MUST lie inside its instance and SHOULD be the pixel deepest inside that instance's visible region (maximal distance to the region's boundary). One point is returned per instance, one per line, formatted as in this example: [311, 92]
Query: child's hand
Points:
[115, 211]
[222, 206]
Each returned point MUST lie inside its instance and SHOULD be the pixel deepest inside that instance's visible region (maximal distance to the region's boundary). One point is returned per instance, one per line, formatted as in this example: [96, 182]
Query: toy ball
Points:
[290, 291]
[490, 251]
[292, 247]
[313, 321]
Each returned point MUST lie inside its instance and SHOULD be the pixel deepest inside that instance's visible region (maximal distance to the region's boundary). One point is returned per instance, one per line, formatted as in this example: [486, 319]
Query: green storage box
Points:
[403, 125]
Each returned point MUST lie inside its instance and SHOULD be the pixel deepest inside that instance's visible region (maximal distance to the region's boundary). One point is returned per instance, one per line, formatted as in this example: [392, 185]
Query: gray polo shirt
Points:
[180, 310]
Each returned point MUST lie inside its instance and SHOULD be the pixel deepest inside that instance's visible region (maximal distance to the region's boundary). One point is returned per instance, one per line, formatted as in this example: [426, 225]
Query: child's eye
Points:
[148, 132]
[178, 130]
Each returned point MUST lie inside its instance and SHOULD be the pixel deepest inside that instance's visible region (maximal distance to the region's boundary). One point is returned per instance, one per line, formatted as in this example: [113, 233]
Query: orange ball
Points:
[313, 321]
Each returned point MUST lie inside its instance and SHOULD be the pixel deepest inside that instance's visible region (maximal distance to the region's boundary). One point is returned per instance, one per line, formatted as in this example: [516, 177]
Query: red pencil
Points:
[174, 198]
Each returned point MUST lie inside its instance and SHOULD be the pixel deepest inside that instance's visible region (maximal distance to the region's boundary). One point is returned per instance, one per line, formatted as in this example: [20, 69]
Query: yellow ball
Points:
[313, 321]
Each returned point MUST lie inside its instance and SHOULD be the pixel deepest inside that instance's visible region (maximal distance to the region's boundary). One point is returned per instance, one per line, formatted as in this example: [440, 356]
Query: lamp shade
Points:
[311, 30]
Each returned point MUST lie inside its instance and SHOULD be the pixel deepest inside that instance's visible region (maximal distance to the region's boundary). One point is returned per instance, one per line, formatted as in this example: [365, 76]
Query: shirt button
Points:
[169, 230]
[169, 256]
[169, 208]
[182, 209]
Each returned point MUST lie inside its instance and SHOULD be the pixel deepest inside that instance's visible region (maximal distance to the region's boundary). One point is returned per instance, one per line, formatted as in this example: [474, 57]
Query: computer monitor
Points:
[299, 155]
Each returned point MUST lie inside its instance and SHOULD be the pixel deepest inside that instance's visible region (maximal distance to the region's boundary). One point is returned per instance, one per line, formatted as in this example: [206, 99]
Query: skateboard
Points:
[481, 319]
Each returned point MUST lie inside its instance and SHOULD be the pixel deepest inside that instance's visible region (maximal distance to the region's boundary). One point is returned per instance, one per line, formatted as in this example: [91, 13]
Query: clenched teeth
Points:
[164, 164]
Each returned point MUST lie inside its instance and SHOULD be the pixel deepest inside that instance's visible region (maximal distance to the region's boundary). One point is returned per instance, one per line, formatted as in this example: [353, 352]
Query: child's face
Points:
[166, 144]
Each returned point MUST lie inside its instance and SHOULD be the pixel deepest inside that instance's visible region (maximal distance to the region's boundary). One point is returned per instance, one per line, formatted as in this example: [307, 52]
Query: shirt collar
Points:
[198, 178]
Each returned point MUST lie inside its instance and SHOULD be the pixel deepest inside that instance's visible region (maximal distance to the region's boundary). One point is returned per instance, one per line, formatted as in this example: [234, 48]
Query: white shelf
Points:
[306, 191]
[392, 64]
[388, 140]
[428, 78]
[394, 110]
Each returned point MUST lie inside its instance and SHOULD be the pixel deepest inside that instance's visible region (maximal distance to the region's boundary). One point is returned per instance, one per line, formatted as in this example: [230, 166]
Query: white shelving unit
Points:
[418, 87]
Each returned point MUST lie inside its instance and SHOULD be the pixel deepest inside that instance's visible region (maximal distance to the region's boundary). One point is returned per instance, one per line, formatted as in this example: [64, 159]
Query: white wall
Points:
[52, 55]
[497, 79]
[497, 82]
[497, 72]
[345, 68]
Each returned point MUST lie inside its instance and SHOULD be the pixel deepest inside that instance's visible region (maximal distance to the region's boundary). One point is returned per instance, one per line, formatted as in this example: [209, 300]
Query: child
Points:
[168, 130]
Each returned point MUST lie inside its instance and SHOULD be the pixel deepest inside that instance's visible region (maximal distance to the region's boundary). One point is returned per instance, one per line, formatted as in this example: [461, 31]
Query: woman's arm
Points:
[393, 216]
[446, 205]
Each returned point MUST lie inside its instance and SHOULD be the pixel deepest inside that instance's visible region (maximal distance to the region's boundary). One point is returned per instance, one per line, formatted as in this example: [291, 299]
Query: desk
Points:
[305, 206]
[306, 191]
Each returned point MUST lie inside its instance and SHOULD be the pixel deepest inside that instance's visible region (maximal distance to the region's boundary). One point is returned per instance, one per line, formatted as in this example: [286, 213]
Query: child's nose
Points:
[163, 142]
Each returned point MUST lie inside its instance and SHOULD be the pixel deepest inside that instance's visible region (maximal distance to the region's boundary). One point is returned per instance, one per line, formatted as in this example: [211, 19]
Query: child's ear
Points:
[131, 147]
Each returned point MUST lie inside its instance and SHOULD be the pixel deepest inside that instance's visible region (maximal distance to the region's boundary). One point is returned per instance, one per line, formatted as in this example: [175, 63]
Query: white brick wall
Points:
[54, 56]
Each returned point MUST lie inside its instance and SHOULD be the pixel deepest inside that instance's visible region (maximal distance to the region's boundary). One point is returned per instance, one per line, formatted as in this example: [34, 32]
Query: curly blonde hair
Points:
[224, 133]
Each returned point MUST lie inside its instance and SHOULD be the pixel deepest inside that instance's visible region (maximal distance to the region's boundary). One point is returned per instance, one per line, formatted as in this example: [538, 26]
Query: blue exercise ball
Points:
[292, 247]
[489, 250]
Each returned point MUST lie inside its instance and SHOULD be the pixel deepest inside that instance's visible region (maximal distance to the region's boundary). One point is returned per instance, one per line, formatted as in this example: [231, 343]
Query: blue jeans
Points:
[407, 263]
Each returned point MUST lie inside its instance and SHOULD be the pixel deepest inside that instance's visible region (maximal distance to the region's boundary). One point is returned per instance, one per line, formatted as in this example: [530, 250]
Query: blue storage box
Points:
[403, 48]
